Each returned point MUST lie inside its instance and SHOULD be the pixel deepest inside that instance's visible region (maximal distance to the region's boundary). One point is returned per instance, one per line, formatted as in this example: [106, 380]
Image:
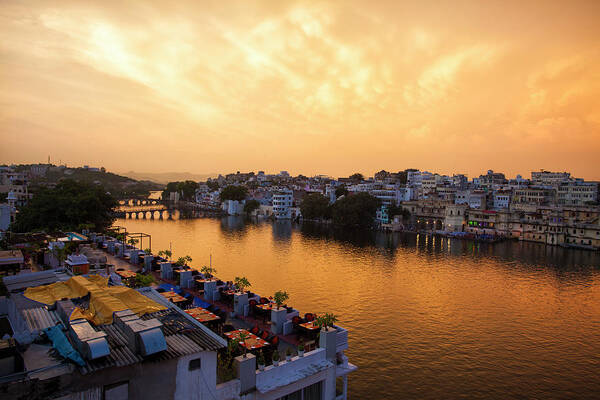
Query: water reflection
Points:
[429, 317]
[282, 230]
[233, 226]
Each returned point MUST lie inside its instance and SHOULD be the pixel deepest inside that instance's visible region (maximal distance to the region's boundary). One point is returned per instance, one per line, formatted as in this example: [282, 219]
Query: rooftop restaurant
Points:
[92, 328]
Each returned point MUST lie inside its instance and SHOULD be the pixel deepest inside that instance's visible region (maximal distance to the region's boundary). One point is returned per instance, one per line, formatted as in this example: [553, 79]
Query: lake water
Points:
[429, 318]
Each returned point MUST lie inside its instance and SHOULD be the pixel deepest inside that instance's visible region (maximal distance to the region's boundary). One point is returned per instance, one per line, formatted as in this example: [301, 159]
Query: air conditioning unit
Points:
[90, 343]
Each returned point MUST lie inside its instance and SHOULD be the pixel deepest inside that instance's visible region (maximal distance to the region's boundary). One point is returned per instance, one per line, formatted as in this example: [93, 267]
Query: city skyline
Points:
[304, 87]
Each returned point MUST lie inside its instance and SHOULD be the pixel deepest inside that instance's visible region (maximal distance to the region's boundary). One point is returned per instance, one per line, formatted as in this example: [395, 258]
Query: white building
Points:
[549, 178]
[233, 207]
[576, 193]
[473, 198]
[283, 200]
[502, 199]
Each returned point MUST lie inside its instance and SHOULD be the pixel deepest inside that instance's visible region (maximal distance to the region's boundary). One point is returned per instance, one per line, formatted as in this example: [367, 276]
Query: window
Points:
[312, 392]
[116, 391]
[194, 364]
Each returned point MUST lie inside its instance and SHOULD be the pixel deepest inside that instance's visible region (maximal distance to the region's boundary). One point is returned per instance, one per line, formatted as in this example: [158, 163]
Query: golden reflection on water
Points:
[438, 318]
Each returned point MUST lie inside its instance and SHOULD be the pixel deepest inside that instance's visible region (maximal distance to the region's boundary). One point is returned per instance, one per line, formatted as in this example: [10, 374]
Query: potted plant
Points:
[280, 297]
[242, 283]
[261, 361]
[183, 261]
[301, 348]
[208, 271]
[243, 336]
[288, 354]
[326, 321]
[166, 254]
[276, 358]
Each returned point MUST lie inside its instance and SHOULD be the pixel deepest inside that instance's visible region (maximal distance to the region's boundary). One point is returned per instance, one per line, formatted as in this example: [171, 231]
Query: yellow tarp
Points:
[104, 300]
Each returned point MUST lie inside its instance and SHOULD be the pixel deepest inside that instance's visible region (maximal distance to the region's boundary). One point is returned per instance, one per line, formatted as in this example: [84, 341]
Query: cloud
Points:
[266, 85]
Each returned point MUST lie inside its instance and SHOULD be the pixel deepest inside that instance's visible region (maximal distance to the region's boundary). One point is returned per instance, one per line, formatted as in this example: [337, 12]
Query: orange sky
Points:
[309, 87]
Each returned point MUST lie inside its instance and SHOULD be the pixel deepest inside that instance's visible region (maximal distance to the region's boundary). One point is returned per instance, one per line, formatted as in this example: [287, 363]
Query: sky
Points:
[309, 87]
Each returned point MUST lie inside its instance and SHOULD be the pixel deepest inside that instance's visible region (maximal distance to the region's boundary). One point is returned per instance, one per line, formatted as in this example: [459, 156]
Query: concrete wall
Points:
[277, 378]
[197, 384]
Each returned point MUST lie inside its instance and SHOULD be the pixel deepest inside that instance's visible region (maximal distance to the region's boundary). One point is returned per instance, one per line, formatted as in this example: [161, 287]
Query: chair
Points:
[255, 330]
[264, 300]
[252, 304]
[309, 317]
[265, 335]
[296, 321]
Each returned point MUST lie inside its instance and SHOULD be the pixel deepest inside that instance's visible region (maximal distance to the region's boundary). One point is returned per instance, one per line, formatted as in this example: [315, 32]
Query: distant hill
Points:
[119, 186]
[166, 177]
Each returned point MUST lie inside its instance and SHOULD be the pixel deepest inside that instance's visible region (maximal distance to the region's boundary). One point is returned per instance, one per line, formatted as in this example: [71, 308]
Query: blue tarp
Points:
[198, 302]
[62, 345]
[170, 288]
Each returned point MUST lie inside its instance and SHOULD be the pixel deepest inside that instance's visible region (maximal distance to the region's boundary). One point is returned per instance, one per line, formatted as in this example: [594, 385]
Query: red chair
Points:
[255, 330]
[264, 300]
[265, 335]
[309, 317]
[296, 321]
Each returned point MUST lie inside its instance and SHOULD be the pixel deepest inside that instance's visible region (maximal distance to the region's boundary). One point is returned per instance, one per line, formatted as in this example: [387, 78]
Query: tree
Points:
[142, 280]
[340, 191]
[186, 189]
[233, 192]
[212, 185]
[357, 177]
[65, 207]
[358, 211]
[314, 206]
[251, 205]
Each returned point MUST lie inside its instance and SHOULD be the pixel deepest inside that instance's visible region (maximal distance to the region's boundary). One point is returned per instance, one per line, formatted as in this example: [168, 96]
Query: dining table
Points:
[252, 342]
[202, 315]
[173, 297]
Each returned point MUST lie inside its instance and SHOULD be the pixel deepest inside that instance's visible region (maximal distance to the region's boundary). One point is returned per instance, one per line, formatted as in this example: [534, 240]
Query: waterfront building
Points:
[535, 195]
[576, 193]
[454, 220]
[283, 200]
[502, 199]
[233, 207]
[481, 221]
[473, 198]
